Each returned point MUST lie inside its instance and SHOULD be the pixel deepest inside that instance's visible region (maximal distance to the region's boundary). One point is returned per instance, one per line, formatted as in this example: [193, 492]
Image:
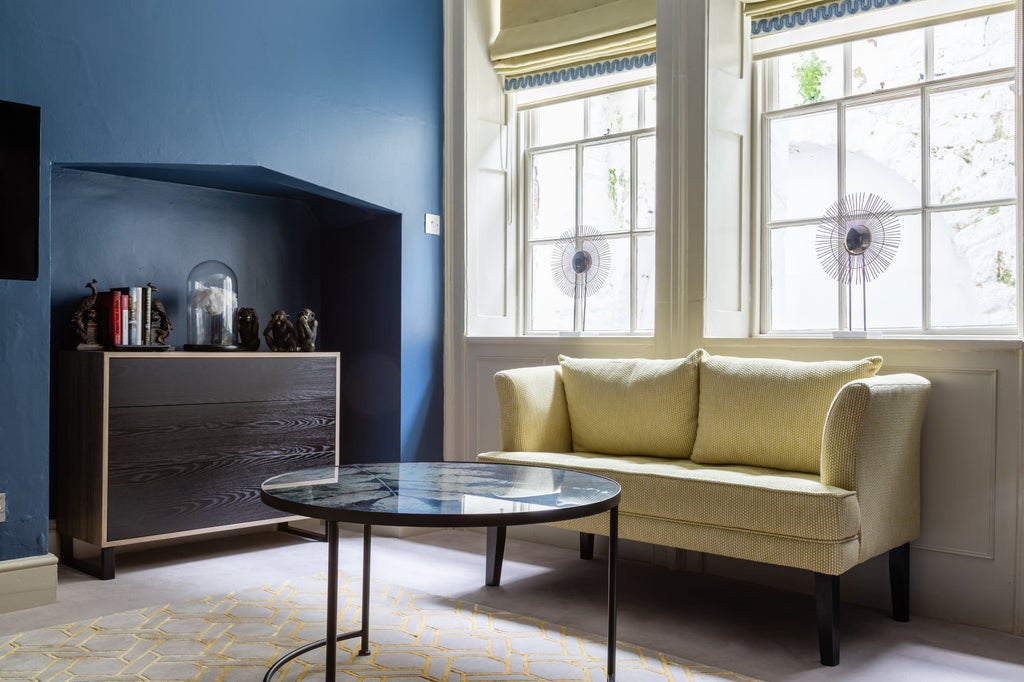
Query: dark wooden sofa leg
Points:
[586, 545]
[899, 582]
[495, 554]
[826, 592]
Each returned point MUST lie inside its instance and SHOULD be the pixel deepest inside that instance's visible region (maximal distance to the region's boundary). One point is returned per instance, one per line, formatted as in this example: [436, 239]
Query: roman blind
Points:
[778, 26]
[542, 41]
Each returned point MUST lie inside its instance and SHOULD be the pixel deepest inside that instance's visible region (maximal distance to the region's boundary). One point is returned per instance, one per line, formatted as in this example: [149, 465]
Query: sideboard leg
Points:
[826, 590]
[586, 545]
[495, 554]
[102, 567]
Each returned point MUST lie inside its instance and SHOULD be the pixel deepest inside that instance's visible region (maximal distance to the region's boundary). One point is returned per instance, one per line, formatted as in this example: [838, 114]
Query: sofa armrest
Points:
[871, 443]
[533, 411]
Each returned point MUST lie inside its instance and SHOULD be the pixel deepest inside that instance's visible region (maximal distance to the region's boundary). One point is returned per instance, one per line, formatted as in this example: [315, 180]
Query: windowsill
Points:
[908, 342]
[548, 338]
[929, 343]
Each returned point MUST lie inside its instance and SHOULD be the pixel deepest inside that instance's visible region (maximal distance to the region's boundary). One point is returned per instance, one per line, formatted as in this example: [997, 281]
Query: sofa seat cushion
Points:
[633, 406]
[769, 413]
[748, 498]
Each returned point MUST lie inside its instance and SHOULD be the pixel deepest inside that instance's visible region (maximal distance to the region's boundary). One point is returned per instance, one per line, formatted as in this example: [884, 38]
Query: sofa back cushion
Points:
[633, 406]
[769, 413]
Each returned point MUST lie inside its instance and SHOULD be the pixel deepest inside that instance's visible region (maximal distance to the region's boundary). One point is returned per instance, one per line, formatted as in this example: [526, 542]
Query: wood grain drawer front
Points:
[180, 468]
[183, 380]
[191, 438]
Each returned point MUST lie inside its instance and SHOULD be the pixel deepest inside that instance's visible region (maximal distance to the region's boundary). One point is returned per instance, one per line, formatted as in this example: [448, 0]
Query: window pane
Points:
[887, 62]
[552, 208]
[894, 297]
[972, 144]
[645, 183]
[812, 76]
[974, 267]
[645, 282]
[608, 308]
[883, 151]
[615, 112]
[802, 295]
[606, 186]
[650, 106]
[802, 174]
[974, 45]
[556, 123]
[551, 310]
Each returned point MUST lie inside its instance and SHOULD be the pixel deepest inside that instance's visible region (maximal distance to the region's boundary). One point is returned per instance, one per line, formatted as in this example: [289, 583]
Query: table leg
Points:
[613, 570]
[364, 649]
[331, 639]
[332, 636]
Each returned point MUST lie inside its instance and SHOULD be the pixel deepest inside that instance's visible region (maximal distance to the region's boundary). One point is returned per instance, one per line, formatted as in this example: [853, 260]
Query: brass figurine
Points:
[248, 326]
[305, 329]
[159, 320]
[279, 332]
[83, 321]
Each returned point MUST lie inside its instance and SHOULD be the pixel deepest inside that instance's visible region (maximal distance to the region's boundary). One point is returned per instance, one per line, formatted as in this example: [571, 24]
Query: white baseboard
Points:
[28, 582]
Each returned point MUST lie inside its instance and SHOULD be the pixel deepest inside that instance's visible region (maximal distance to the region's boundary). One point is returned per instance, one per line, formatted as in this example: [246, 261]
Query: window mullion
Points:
[843, 287]
[576, 322]
[926, 213]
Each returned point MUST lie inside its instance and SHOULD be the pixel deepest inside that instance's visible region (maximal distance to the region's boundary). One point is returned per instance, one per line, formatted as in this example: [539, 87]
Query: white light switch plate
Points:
[432, 224]
[3, 507]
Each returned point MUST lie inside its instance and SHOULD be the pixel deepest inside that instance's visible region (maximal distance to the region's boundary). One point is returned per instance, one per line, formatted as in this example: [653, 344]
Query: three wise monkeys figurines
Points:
[280, 334]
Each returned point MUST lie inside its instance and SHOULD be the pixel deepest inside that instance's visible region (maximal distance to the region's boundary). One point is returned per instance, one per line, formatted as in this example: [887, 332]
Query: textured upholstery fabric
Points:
[630, 407]
[533, 414]
[769, 413]
[866, 500]
[741, 497]
[870, 444]
[830, 558]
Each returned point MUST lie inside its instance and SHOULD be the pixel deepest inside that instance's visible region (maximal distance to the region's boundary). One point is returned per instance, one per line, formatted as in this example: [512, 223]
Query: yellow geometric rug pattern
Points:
[413, 636]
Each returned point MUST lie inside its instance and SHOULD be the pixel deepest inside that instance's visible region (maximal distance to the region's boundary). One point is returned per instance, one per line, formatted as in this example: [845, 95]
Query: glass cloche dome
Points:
[212, 301]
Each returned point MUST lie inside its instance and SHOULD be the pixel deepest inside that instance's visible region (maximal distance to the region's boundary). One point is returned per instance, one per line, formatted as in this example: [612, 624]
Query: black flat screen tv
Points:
[19, 191]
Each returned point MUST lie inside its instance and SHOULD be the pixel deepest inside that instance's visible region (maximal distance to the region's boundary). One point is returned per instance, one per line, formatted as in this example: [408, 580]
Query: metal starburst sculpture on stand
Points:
[857, 240]
[579, 265]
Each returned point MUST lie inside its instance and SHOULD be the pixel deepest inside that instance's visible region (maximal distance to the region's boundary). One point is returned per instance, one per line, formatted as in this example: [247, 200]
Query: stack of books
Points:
[125, 316]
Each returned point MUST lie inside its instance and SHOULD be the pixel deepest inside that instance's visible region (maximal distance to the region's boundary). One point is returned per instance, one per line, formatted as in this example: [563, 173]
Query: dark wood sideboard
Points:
[153, 446]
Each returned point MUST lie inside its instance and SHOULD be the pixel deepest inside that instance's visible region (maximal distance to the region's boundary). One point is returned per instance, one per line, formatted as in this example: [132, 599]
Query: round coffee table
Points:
[438, 495]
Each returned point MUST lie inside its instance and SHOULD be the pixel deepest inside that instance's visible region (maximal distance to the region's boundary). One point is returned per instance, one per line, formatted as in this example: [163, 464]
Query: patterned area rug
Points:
[413, 636]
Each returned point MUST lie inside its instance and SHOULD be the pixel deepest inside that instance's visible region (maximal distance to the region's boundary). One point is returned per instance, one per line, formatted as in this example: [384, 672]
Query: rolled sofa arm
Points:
[534, 415]
[871, 443]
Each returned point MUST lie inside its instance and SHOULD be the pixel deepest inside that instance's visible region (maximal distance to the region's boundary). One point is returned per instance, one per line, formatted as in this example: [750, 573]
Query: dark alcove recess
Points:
[291, 243]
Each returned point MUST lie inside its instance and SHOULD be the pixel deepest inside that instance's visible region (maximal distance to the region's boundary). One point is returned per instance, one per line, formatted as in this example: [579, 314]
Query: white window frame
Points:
[765, 114]
[522, 116]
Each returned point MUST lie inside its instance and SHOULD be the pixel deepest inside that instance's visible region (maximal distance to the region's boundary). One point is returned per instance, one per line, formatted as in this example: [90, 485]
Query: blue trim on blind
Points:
[812, 15]
[536, 80]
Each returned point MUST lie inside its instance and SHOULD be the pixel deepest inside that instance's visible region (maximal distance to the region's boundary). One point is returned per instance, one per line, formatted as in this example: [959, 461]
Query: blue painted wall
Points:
[346, 94]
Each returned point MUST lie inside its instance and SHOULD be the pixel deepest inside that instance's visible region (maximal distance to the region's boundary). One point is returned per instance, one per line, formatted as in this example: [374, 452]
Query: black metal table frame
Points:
[495, 552]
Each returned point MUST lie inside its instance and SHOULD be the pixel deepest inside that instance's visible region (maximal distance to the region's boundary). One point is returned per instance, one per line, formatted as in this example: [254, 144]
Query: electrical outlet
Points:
[3, 507]
[432, 224]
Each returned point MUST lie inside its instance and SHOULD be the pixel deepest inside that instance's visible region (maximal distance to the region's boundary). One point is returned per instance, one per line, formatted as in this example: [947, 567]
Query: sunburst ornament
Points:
[857, 240]
[580, 264]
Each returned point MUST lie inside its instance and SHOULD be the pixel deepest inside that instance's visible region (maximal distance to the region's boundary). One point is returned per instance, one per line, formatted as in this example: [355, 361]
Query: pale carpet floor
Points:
[748, 629]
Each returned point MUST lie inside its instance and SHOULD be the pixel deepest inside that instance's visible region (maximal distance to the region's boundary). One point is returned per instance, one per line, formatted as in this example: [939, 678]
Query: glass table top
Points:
[440, 493]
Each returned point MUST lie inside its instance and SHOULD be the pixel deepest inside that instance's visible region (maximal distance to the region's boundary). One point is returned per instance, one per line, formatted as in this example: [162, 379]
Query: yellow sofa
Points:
[813, 465]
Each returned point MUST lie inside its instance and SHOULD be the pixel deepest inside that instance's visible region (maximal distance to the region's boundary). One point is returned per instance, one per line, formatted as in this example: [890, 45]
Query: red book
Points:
[115, 317]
